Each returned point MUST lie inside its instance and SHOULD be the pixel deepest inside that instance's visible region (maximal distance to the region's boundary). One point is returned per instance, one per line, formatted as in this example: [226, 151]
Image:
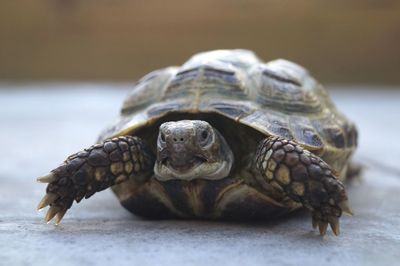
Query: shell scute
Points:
[279, 77]
[229, 109]
[223, 79]
[285, 86]
[269, 122]
[205, 79]
[278, 125]
[305, 133]
[157, 110]
[147, 90]
[238, 58]
[182, 81]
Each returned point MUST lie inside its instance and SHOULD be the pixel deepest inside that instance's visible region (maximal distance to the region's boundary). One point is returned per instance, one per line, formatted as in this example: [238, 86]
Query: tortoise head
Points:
[191, 149]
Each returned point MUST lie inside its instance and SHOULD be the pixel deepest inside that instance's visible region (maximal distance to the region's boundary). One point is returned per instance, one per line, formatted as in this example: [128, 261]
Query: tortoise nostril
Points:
[178, 139]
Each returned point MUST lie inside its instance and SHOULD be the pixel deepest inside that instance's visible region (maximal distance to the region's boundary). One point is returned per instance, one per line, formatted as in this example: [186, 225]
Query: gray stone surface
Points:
[43, 123]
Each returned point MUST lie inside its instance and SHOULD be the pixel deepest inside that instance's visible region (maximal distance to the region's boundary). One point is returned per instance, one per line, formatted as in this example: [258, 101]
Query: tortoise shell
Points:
[278, 98]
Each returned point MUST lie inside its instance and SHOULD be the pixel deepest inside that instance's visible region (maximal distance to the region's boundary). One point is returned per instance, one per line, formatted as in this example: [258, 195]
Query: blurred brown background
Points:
[339, 41]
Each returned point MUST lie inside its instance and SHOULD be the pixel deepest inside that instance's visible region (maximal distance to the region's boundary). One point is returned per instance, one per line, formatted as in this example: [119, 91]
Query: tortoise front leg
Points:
[304, 178]
[93, 170]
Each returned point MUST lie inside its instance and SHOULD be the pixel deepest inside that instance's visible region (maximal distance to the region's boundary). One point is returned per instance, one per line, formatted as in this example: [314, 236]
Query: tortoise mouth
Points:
[197, 168]
[189, 165]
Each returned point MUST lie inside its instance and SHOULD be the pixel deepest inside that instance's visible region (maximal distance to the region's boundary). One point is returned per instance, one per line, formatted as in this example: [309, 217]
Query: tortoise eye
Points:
[204, 137]
[162, 136]
[204, 134]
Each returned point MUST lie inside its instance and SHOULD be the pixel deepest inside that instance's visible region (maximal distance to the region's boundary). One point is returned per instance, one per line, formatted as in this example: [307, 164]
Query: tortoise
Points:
[224, 136]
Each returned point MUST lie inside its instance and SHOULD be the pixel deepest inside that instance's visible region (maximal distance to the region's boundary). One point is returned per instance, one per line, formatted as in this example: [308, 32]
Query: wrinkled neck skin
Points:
[191, 149]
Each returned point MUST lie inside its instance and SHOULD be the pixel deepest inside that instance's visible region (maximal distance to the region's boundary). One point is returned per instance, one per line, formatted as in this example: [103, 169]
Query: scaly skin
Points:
[304, 178]
[93, 170]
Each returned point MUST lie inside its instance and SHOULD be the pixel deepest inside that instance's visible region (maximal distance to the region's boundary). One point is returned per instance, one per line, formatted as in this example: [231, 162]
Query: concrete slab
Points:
[43, 123]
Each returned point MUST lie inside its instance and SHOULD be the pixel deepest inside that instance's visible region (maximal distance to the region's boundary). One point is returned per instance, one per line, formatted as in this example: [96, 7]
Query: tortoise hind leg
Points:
[305, 179]
[93, 170]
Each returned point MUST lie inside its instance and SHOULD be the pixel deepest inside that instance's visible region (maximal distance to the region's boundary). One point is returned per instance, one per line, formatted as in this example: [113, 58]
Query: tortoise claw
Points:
[322, 226]
[51, 213]
[47, 178]
[344, 205]
[314, 223]
[334, 223]
[59, 216]
[47, 200]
